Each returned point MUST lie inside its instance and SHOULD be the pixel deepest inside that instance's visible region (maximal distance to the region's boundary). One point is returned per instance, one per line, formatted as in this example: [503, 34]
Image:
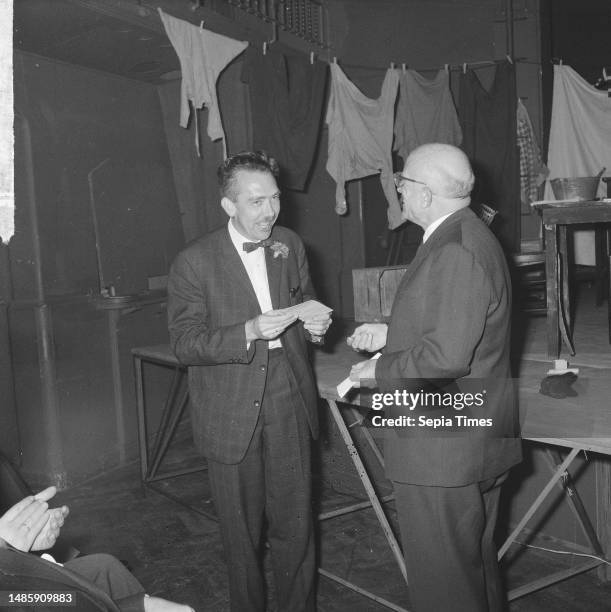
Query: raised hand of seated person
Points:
[50, 531]
[30, 524]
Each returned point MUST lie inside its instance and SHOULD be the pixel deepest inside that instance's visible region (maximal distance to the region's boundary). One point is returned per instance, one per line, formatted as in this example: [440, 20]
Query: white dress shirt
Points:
[433, 226]
[254, 262]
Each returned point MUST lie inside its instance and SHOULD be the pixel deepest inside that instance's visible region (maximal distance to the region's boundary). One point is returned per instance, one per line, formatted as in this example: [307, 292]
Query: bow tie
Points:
[251, 246]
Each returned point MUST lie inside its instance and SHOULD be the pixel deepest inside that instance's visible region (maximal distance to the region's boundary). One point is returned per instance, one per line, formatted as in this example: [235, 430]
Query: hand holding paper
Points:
[356, 373]
[307, 310]
[316, 317]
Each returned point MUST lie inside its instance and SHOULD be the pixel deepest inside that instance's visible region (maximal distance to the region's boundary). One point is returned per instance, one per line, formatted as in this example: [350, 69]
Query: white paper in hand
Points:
[308, 309]
[347, 384]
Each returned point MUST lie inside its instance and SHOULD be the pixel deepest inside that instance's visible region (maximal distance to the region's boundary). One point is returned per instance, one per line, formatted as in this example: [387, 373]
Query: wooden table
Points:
[557, 217]
[565, 428]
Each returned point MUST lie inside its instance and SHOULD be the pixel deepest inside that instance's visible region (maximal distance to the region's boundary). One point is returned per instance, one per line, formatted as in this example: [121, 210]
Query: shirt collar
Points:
[236, 237]
[433, 226]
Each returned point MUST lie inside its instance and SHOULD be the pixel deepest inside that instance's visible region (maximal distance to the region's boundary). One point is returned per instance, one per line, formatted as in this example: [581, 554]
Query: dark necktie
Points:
[251, 246]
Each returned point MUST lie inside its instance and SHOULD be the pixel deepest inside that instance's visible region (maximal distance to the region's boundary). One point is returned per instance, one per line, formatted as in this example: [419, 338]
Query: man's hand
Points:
[30, 525]
[364, 373]
[268, 325]
[50, 532]
[318, 324]
[368, 337]
[156, 604]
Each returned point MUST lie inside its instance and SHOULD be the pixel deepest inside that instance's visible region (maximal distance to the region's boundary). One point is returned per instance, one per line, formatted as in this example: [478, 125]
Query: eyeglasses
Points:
[399, 178]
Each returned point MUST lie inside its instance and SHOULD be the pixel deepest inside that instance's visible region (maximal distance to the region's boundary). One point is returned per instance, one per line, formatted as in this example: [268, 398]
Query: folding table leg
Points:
[168, 434]
[367, 434]
[142, 439]
[559, 471]
[166, 414]
[544, 493]
[553, 459]
[373, 498]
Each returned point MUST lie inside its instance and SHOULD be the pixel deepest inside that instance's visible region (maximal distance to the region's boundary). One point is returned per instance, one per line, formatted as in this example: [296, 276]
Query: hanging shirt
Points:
[360, 138]
[203, 55]
[286, 96]
[425, 112]
[488, 122]
[532, 168]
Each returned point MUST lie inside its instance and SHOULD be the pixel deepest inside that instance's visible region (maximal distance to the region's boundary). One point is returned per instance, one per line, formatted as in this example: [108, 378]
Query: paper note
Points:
[347, 384]
[308, 309]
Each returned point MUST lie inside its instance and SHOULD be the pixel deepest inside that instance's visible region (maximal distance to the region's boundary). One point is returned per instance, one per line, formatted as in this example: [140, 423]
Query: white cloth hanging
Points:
[203, 56]
[580, 131]
[7, 218]
[579, 141]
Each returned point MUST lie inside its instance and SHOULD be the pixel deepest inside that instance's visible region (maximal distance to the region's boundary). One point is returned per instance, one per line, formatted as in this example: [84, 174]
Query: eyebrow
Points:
[262, 197]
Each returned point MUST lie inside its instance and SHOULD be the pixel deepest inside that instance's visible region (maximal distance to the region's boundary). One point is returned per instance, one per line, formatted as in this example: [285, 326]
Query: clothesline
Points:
[449, 67]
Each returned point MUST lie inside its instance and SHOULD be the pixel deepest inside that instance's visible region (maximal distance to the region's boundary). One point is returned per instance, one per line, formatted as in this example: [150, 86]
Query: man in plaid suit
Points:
[252, 389]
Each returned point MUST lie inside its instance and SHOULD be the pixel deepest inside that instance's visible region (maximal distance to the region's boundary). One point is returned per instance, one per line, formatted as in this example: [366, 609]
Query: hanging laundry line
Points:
[450, 67]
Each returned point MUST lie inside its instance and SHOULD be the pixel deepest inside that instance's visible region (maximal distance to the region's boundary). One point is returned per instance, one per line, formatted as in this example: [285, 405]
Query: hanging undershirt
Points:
[360, 138]
[425, 112]
[286, 96]
[203, 55]
[488, 122]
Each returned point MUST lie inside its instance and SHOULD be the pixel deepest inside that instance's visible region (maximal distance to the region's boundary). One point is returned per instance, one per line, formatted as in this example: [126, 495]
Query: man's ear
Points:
[427, 197]
[228, 206]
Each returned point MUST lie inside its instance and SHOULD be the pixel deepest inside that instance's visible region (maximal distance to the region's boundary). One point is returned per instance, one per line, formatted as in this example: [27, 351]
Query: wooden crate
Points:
[374, 292]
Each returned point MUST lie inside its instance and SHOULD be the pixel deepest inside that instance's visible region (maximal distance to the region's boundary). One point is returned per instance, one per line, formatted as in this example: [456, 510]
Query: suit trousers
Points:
[110, 575]
[448, 542]
[273, 481]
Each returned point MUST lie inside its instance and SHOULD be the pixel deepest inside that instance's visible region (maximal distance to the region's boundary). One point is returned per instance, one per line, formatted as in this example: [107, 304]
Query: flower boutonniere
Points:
[279, 249]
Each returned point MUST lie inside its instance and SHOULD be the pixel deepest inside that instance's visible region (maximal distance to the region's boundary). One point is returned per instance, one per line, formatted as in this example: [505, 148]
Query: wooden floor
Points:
[176, 552]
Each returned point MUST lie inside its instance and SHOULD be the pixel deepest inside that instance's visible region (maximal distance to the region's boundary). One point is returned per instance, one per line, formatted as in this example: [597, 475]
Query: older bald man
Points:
[447, 342]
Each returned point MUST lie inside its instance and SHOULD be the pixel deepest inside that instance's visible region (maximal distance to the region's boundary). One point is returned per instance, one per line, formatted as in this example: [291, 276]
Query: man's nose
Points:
[268, 209]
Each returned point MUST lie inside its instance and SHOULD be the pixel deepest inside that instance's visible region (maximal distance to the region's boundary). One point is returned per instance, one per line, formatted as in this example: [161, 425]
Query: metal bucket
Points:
[576, 188]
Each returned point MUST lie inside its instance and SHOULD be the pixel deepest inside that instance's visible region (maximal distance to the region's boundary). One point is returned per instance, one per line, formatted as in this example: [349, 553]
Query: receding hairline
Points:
[445, 169]
[230, 190]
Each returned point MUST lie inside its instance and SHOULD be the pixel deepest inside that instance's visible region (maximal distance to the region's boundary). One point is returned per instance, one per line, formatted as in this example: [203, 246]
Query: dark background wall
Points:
[69, 120]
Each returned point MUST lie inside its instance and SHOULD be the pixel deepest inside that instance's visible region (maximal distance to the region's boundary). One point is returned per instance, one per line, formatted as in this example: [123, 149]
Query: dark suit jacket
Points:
[451, 321]
[210, 297]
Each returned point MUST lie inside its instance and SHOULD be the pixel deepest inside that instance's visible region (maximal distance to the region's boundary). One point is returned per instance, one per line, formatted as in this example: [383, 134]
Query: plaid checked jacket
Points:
[210, 297]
